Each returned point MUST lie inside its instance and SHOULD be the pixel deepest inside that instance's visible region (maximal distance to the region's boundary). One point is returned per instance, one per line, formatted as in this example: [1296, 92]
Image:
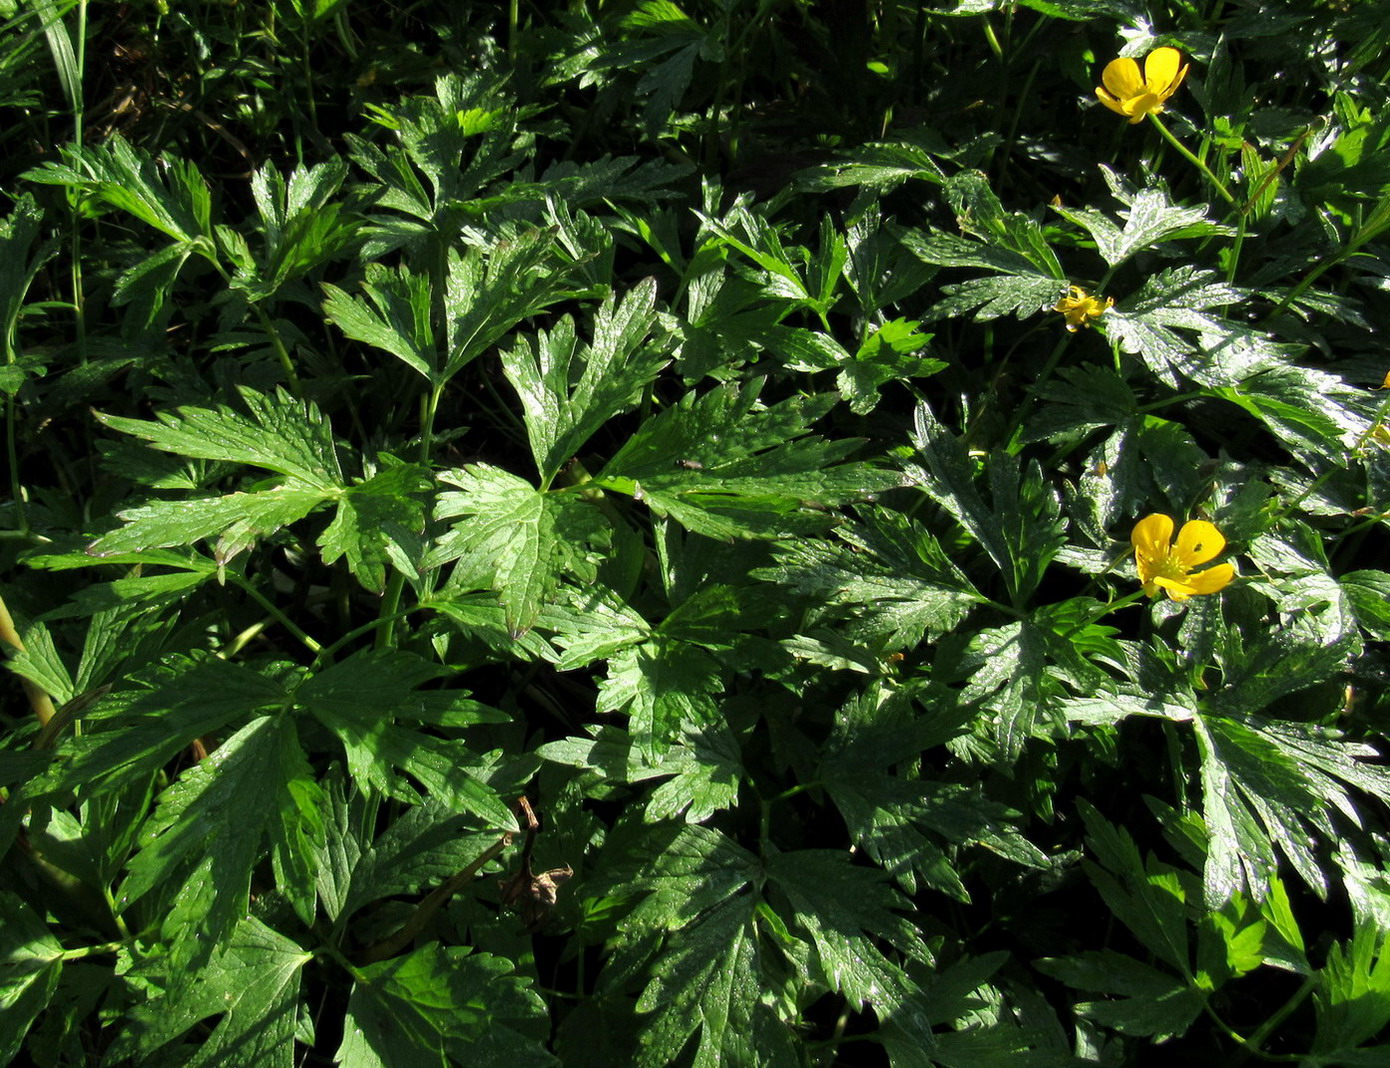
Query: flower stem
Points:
[1186, 153]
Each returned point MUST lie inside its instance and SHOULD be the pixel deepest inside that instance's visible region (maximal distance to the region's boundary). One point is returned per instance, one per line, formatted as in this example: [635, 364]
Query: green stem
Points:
[21, 514]
[326, 654]
[429, 408]
[1156, 406]
[1266, 1029]
[116, 917]
[390, 611]
[238, 643]
[1369, 230]
[1187, 155]
[79, 119]
[1248, 1048]
[280, 617]
[92, 951]
[1029, 402]
[994, 45]
[277, 343]
[1235, 250]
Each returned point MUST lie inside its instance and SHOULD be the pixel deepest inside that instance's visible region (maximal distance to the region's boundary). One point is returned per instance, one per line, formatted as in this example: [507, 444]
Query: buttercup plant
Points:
[586, 534]
[1137, 97]
[1168, 566]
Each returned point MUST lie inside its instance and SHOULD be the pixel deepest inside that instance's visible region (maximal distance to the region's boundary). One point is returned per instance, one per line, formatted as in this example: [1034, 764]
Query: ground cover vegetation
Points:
[719, 532]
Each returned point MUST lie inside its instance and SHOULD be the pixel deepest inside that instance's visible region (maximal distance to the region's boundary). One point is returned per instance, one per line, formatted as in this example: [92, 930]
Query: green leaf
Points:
[395, 317]
[1008, 682]
[881, 165]
[1150, 1003]
[1151, 218]
[369, 516]
[1147, 897]
[1311, 412]
[1020, 287]
[438, 1005]
[568, 390]
[1265, 783]
[427, 845]
[885, 356]
[516, 538]
[65, 62]
[40, 664]
[1085, 399]
[723, 465]
[262, 761]
[1352, 168]
[239, 520]
[706, 781]
[665, 50]
[1023, 530]
[1369, 594]
[891, 580]
[993, 298]
[660, 685]
[19, 264]
[1353, 993]
[300, 224]
[980, 213]
[755, 237]
[844, 908]
[251, 982]
[706, 984]
[914, 828]
[1186, 299]
[488, 294]
[280, 434]
[1310, 649]
[450, 148]
[135, 732]
[358, 700]
[169, 194]
[1268, 783]
[31, 963]
[680, 871]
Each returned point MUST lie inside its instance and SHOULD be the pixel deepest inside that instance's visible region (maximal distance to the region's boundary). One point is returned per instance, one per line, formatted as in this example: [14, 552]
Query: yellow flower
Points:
[1164, 565]
[1126, 93]
[1080, 309]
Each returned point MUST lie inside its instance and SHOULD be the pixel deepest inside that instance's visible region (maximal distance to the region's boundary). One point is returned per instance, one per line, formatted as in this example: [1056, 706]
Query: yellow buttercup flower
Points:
[1080, 308]
[1165, 565]
[1127, 93]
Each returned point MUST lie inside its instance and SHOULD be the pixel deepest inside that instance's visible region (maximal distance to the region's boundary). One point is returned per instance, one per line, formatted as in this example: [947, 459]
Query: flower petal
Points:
[1121, 76]
[1177, 589]
[1161, 70]
[1141, 105]
[1198, 542]
[1110, 101]
[1212, 579]
[1152, 534]
[1176, 82]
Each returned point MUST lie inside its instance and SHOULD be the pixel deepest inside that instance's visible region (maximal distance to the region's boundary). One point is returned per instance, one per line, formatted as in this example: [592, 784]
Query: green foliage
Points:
[601, 534]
